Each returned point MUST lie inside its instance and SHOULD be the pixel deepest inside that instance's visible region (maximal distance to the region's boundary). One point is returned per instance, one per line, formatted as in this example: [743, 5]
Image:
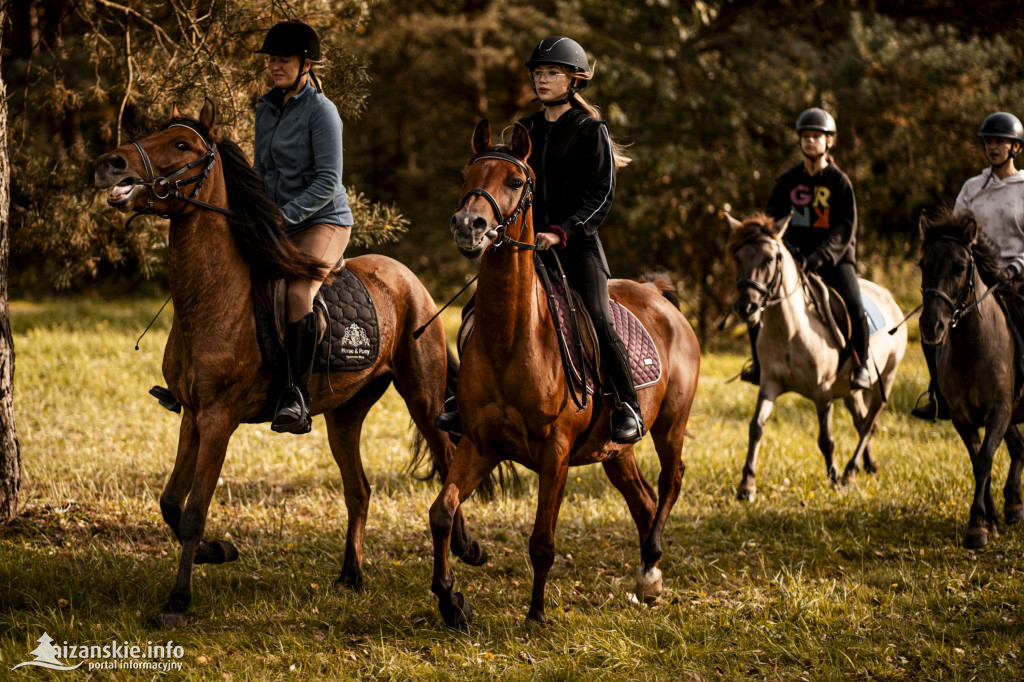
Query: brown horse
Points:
[225, 242]
[512, 391]
[976, 370]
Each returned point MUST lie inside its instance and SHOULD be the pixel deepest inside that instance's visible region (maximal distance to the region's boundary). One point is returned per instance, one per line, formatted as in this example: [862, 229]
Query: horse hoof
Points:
[993, 530]
[1014, 514]
[536, 616]
[476, 555]
[746, 494]
[172, 620]
[870, 467]
[976, 538]
[457, 613]
[349, 580]
[216, 552]
[649, 584]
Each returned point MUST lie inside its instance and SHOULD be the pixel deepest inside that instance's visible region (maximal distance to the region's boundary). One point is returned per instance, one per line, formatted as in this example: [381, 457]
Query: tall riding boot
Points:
[752, 374]
[293, 406]
[859, 336]
[936, 407]
[627, 422]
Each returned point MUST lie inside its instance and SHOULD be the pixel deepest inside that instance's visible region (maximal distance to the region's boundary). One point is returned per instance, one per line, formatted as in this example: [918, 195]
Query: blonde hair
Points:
[578, 101]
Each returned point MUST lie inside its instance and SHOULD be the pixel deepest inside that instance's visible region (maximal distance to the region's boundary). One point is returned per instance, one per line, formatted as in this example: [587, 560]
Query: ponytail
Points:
[578, 101]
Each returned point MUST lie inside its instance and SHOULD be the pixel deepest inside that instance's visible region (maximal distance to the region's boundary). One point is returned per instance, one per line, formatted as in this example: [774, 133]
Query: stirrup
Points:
[634, 434]
[751, 373]
[292, 416]
[165, 398]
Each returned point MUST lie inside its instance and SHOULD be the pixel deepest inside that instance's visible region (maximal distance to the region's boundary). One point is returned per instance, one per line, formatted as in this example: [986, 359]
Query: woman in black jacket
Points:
[574, 160]
[822, 233]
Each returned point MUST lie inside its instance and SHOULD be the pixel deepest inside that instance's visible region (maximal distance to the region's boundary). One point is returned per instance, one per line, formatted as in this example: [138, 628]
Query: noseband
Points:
[162, 187]
[772, 288]
[960, 308]
[525, 200]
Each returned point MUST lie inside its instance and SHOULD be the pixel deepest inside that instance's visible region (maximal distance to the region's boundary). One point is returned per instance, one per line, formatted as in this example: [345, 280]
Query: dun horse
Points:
[798, 353]
[225, 242]
[976, 370]
[512, 392]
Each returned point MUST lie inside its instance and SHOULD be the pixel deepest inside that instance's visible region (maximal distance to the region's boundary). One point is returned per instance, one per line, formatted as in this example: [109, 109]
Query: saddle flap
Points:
[831, 308]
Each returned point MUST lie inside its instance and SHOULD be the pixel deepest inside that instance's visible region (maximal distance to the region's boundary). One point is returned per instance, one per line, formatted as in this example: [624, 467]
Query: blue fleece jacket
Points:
[298, 151]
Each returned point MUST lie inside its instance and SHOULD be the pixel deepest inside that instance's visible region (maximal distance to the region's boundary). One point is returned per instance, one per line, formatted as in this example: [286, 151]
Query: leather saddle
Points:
[830, 308]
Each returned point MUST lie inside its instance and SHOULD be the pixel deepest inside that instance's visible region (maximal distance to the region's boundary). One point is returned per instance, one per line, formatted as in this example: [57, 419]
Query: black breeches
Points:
[843, 278]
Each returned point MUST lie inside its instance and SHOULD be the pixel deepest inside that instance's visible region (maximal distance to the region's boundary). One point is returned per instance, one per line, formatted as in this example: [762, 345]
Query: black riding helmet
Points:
[1004, 125]
[816, 119]
[292, 37]
[563, 52]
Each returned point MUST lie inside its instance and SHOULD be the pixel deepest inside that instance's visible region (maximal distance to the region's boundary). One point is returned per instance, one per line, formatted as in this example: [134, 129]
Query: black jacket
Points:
[824, 212]
[572, 159]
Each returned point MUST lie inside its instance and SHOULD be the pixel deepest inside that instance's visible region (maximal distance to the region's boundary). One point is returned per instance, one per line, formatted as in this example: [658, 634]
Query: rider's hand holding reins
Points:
[547, 240]
[814, 261]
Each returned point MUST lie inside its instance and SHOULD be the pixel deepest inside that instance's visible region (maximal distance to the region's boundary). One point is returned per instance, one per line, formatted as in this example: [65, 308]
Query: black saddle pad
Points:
[352, 339]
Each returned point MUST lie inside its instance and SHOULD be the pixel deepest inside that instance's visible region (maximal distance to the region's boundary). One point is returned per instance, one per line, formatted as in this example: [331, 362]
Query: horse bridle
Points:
[525, 201]
[162, 187]
[771, 289]
[960, 308]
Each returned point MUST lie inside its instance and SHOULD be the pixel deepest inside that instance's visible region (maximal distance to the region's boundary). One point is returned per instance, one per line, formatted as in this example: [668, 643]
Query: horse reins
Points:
[525, 202]
[162, 187]
[771, 289]
[960, 308]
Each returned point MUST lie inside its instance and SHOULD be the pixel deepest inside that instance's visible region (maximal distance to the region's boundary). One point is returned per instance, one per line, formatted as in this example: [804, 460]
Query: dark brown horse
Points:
[512, 392]
[976, 370]
[212, 362]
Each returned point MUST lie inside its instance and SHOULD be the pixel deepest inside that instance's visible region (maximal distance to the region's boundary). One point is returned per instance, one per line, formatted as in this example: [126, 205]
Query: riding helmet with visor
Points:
[563, 52]
[816, 119]
[292, 37]
[1004, 125]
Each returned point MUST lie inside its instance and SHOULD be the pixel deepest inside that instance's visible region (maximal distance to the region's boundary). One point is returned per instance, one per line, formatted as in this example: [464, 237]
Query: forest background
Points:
[704, 93]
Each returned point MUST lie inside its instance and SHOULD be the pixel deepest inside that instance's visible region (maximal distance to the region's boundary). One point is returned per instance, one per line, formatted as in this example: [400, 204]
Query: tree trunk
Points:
[10, 455]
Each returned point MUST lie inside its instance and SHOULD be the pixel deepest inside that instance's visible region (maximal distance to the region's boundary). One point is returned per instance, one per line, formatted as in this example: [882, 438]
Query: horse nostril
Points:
[114, 162]
[479, 223]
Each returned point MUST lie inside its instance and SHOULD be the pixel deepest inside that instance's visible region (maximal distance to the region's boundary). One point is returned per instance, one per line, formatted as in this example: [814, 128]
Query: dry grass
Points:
[867, 582]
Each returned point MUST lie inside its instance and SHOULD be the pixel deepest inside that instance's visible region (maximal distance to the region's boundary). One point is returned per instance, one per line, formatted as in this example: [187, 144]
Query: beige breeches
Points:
[326, 243]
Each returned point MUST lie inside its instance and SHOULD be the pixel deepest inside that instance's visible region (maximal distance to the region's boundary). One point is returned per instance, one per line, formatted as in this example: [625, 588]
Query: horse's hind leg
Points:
[825, 441]
[469, 468]
[865, 418]
[1013, 506]
[344, 428]
[624, 474]
[747, 490]
[215, 429]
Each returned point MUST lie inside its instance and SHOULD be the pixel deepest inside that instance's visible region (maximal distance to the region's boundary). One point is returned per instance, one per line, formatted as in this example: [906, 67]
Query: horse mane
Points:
[754, 226]
[953, 225]
[257, 224]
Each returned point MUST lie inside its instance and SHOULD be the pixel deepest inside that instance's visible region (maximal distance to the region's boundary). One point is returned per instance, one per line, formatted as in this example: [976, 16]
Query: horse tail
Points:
[663, 284]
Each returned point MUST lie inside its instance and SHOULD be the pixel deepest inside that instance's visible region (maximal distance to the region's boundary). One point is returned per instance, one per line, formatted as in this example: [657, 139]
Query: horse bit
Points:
[960, 308]
[497, 234]
[162, 187]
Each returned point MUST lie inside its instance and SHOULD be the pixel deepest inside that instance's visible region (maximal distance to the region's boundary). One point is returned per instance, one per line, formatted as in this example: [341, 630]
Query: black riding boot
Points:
[859, 336]
[627, 422]
[165, 398]
[752, 374]
[936, 407]
[449, 420]
[293, 406]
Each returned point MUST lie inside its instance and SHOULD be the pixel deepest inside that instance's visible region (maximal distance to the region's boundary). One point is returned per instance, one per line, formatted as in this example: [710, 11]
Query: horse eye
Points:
[958, 268]
[183, 146]
[516, 184]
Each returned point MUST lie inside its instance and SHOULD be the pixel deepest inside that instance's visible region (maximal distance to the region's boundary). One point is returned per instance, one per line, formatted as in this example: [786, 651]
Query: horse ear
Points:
[174, 110]
[482, 136]
[521, 142]
[922, 224]
[208, 116]
[971, 231]
[733, 223]
[782, 224]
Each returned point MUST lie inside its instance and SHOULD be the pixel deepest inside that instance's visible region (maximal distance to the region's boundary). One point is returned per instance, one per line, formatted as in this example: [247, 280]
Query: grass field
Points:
[808, 582]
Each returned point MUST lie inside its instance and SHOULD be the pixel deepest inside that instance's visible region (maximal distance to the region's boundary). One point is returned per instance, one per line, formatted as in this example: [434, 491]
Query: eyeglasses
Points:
[540, 76]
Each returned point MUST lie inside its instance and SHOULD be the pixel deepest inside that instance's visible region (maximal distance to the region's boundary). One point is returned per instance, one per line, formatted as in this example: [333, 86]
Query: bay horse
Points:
[226, 242]
[977, 374]
[799, 353]
[512, 392]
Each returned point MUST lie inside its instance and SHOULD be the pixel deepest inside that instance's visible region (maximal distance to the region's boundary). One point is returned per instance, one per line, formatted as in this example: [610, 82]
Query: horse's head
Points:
[756, 246]
[947, 272]
[497, 188]
[146, 175]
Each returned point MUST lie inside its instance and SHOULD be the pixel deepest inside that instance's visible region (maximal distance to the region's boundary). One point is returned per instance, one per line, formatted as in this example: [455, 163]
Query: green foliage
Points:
[867, 582]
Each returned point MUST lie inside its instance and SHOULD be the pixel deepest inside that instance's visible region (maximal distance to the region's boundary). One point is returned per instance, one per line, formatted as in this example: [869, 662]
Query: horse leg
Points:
[825, 441]
[747, 490]
[624, 474]
[553, 472]
[172, 500]
[344, 428]
[982, 514]
[215, 429]
[469, 467]
[424, 404]
[865, 418]
[1013, 507]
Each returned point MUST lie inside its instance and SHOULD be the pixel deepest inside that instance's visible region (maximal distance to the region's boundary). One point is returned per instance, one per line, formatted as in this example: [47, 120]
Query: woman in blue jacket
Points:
[298, 151]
